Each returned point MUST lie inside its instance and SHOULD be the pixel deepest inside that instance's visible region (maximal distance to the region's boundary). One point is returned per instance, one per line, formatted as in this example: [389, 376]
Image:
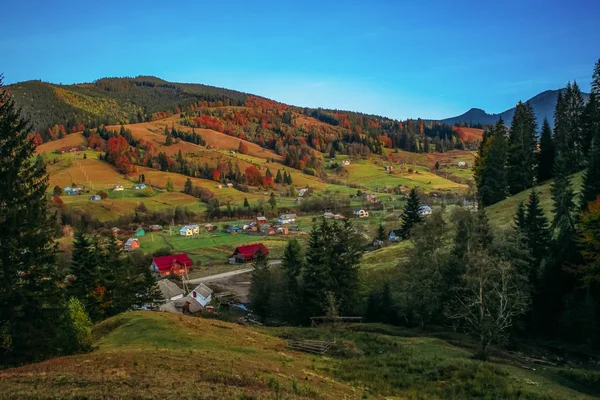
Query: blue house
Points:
[233, 228]
[95, 197]
[139, 232]
[394, 235]
[140, 186]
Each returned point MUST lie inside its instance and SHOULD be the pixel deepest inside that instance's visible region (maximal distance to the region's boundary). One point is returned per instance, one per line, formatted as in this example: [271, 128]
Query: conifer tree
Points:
[87, 274]
[293, 263]
[537, 232]
[33, 308]
[381, 233]
[546, 154]
[493, 183]
[591, 178]
[187, 187]
[562, 196]
[410, 214]
[568, 131]
[522, 145]
[519, 219]
[596, 79]
[278, 178]
[260, 287]
[246, 204]
[272, 200]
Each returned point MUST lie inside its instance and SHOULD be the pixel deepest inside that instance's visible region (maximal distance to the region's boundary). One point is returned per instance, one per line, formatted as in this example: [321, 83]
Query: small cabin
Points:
[261, 220]
[394, 235]
[131, 244]
[155, 228]
[361, 213]
[118, 188]
[140, 186]
[139, 232]
[248, 253]
[189, 230]
[202, 294]
[424, 210]
[95, 197]
[176, 264]
[287, 218]
[169, 290]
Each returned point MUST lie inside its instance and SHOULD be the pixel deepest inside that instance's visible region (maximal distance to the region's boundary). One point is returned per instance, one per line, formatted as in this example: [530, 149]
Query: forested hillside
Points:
[57, 110]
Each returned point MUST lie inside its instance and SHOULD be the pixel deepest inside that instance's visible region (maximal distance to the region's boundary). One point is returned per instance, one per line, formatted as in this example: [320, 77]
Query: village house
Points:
[202, 294]
[176, 264]
[287, 218]
[73, 190]
[267, 229]
[155, 228]
[462, 164]
[118, 188]
[261, 220]
[395, 235]
[114, 230]
[389, 169]
[140, 186]
[282, 230]
[170, 291]
[210, 227]
[95, 197]
[361, 213]
[345, 163]
[302, 191]
[424, 210]
[131, 244]
[219, 186]
[248, 253]
[328, 215]
[139, 232]
[233, 229]
[189, 230]
[230, 185]
[338, 216]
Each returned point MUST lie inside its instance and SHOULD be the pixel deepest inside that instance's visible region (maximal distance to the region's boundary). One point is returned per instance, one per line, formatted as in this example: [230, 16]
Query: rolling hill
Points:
[146, 355]
[543, 105]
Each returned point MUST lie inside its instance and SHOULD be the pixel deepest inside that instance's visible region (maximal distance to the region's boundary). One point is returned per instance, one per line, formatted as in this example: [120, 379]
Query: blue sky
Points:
[429, 59]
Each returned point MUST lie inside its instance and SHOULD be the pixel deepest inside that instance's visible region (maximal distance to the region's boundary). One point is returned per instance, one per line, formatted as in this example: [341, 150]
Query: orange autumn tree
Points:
[253, 176]
[243, 148]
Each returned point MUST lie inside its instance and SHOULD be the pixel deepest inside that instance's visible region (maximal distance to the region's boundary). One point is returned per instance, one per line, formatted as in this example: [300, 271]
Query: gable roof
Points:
[250, 250]
[130, 241]
[203, 290]
[165, 263]
[169, 289]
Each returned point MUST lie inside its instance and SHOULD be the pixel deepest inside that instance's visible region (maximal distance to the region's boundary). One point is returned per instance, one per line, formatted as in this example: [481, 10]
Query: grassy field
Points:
[158, 355]
[502, 213]
[71, 140]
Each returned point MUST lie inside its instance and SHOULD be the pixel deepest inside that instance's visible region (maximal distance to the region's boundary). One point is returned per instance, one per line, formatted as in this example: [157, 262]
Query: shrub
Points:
[103, 195]
[57, 191]
[81, 326]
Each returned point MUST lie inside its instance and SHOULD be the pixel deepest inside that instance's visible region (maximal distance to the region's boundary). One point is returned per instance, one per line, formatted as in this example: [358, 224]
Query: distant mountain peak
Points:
[543, 105]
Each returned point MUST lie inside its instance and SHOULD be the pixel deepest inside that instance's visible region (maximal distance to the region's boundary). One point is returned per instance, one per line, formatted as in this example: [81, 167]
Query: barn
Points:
[248, 253]
[176, 264]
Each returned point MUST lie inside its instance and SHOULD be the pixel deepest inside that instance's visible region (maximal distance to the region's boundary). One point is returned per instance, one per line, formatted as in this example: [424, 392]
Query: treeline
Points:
[512, 160]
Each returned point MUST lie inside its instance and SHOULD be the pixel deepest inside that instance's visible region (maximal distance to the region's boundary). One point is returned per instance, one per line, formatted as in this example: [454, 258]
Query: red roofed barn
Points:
[248, 253]
[173, 264]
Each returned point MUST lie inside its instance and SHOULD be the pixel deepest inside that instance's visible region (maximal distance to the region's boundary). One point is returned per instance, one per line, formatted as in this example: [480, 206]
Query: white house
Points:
[424, 210]
[189, 230]
[462, 164]
[118, 188]
[345, 163]
[360, 213]
[202, 294]
[169, 290]
[287, 218]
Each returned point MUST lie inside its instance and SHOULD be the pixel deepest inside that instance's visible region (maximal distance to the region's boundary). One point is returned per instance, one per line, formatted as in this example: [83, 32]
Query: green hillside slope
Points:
[158, 356]
[502, 213]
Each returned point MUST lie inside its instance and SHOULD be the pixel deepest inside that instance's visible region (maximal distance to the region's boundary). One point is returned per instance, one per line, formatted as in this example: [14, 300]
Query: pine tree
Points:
[546, 154]
[272, 200]
[479, 164]
[591, 178]
[522, 146]
[410, 214]
[187, 187]
[519, 219]
[33, 308]
[292, 263]
[596, 79]
[493, 184]
[381, 233]
[562, 196]
[537, 232]
[568, 131]
[246, 204]
[261, 288]
[87, 274]
[278, 178]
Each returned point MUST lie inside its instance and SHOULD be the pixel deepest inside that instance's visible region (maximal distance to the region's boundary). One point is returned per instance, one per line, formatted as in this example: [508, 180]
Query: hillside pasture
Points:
[88, 173]
[71, 140]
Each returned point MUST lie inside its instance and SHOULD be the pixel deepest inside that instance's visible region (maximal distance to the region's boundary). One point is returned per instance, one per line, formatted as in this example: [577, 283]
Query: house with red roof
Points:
[248, 253]
[175, 264]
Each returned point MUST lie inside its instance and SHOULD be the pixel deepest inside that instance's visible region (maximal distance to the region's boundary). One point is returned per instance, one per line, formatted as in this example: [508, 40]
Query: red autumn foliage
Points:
[216, 175]
[94, 142]
[36, 139]
[243, 148]
[386, 141]
[253, 176]
[57, 201]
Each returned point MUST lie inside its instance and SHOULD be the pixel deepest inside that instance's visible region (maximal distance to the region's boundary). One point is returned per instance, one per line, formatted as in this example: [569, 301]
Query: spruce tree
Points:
[410, 214]
[187, 187]
[493, 183]
[272, 200]
[292, 263]
[568, 131]
[86, 271]
[246, 204]
[596, 79]
[590, 122]
[546, 155]
[381, 233]
[278, 178]
[261, 288]
[522, 146]
[479, 164]
[519, 219]
[591, 178]
[537, 232]
[563, 197]
[33, 308]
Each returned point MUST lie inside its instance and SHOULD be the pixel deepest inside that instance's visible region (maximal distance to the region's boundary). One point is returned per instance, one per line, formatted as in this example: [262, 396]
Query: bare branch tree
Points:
[492, 294]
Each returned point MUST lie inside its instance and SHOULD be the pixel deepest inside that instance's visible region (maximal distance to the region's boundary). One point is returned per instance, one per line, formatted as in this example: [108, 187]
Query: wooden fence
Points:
[310, 346]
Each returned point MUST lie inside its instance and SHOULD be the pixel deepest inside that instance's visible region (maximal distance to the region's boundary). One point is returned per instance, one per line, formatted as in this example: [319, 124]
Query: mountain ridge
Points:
[543, 105]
